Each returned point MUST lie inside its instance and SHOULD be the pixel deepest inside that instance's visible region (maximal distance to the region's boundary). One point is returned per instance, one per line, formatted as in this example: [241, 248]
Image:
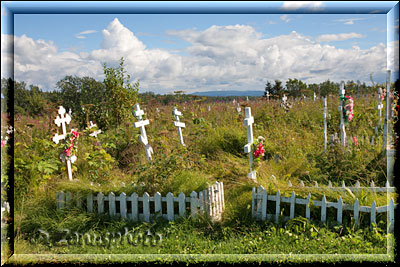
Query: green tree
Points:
[268, 87]
[329, 88]
[295, 87]
[77, 93]
[277, 89]
[120, 93]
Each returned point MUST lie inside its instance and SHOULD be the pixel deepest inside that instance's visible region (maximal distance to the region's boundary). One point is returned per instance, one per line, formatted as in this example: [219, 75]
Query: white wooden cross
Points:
[379, 108]
[284, 98]
[315, 96]
[138, 113]
[178, 124]
[342, 92]
[95, 133]
[267, 94]
[238, 109]
[61, 120]
[248, 122]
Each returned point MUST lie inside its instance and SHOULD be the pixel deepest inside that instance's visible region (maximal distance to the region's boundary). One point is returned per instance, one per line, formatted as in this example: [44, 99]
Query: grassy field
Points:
[214, 152]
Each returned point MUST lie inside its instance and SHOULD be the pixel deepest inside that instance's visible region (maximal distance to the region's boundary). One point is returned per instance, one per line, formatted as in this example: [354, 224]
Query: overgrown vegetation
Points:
[115, 160]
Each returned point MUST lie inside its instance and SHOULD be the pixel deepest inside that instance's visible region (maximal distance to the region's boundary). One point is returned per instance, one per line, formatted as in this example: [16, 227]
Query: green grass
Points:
[214, 152]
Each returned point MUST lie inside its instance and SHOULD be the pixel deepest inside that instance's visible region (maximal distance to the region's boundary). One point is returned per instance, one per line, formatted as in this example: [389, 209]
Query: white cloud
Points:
[311, 5]
[349, 21]
[285, 18]
[81, 35]
[219, 57]
[338, 37]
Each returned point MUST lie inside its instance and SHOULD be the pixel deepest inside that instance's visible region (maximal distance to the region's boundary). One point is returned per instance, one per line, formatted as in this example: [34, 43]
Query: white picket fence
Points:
[356, 187]
[208, 203]
[260, 203]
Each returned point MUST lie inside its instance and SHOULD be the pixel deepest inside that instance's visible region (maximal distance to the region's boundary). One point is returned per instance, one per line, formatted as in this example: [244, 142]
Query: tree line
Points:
[297, 88]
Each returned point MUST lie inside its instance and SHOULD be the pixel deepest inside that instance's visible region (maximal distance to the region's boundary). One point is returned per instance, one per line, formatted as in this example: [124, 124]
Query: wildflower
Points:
[355, 141]
[3, 143]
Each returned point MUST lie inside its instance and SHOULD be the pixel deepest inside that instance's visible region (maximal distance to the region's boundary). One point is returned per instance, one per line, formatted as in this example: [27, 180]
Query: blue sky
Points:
[200, 52]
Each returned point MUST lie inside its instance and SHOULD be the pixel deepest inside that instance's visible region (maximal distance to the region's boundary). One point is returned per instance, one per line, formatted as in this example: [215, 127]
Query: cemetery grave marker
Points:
[248, 122]
[138, 113]
[178, 124]
[341, 108]
[62, 119]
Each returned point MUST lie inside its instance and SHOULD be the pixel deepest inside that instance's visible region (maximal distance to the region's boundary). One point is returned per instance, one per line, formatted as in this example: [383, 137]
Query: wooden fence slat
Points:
[277, 206]
[356, 212]
[122, 205]
[258, 202]
[89, 202]
[340, 210]
[264, 205]
[323, 209]
[100, 203]
[68, 198]
[79, 200]
[112, 205]
[373, 213]
[157, 204]
[170, 206]
[212, 202]
[308, 206]
[292, 205]
[182, 204]
[253, 200]
[201, 202]
[146, 207]
[135, 207]
[194, 204]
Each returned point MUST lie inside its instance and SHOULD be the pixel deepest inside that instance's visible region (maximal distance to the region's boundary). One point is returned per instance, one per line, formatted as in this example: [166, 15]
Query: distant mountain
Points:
[229, 93]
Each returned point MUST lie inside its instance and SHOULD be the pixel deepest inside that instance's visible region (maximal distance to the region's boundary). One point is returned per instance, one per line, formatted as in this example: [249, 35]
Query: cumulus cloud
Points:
[338, 37]
[219, 57]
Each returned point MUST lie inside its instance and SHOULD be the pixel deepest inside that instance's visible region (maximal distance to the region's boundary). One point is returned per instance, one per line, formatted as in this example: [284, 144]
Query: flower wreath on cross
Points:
[348, 110]
[70, 148]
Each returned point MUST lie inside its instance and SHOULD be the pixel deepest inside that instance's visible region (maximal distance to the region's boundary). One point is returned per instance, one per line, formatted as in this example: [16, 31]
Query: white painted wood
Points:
[356, 210]
[323, 209]
[100, 203]
[373, 213]
[277, 206]
[253, 200]
[200, 203]
[248, 122]
[62, 119]
[264, 198]
[308, 206]
[340, 210]
[135, 207]
[260, 189]
[292, 202]
[178, 124]
[157, 204]
[143, 137]
[170, 206]
[122, 205]
[68, 198]
[341, 107]
[146, 207]
[194, 204]
[182, 204]
[89, 202]
[112, 204]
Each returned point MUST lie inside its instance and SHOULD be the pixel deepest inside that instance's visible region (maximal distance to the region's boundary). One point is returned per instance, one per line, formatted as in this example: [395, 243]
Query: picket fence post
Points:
[170, 206]
[193, 203]
[146, 207]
